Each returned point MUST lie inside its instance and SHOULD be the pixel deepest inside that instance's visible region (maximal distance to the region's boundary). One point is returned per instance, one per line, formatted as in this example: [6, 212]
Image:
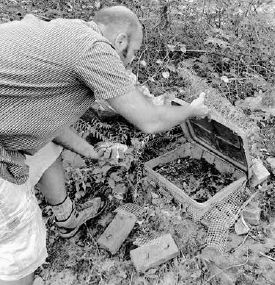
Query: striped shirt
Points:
[50, 74]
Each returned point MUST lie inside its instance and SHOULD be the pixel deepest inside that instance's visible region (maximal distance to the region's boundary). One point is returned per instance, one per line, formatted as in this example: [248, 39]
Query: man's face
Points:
[129, 53]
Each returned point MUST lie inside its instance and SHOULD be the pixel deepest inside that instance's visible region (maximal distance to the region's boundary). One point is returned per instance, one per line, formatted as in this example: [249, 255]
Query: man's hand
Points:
[107, 150]
[69, 139]
[198, 107]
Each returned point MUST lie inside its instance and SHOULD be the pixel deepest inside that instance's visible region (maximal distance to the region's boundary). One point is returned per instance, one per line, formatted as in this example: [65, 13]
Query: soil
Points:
[198, 178]
[249, 259]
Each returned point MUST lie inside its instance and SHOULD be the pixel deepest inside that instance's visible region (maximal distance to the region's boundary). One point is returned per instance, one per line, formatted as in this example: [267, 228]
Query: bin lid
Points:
[220, 139]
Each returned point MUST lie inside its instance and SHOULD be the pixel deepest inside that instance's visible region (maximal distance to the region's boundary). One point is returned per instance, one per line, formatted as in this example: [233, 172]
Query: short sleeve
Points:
[101, 69]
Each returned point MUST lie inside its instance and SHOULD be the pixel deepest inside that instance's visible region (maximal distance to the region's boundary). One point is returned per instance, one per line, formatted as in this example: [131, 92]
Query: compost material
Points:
[198, 178]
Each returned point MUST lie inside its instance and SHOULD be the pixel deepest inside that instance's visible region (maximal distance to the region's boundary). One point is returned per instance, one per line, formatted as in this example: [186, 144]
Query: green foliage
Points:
[96, 128]
[229, 43]
[114, 129]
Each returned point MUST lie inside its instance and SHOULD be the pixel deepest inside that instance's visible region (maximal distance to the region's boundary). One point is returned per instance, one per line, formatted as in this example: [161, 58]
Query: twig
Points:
[247, 202]
[217, 53]
[245, 238]
[267, 256]
[43, 18]
[131, 280]
[223, 270]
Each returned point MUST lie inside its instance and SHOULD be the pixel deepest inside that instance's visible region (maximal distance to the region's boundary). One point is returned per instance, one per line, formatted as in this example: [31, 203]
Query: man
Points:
[50, 74]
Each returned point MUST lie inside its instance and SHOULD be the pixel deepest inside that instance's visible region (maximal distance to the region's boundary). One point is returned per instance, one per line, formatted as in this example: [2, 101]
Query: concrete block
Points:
[154, 253]
[117, 231]
[259, 173]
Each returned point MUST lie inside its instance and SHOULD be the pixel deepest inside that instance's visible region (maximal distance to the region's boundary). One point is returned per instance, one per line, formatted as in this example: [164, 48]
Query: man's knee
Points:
[55, 167]
[43, 160]
[54, 172]
[28, 280]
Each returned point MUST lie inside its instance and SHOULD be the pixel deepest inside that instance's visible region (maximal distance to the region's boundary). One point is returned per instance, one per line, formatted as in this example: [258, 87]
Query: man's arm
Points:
[151, 118]
[72, 141]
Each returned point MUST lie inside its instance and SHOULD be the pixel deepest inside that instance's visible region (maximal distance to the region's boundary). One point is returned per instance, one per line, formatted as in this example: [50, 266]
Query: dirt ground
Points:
[248, 259]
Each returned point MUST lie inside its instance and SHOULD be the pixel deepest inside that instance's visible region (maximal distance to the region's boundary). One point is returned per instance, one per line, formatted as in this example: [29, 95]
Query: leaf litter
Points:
[199, 179]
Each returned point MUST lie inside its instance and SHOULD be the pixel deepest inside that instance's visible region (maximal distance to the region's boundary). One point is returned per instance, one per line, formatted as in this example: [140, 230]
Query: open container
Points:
[221, 145]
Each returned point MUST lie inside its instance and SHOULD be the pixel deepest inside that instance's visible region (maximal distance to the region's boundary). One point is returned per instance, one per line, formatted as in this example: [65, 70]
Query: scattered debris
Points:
[260, 173]
[262, 102]
[38, 281]
[241, 227]
[267, 256]
[212, 254]
[117, 231]
[131, 208]
[154, 253]
[251, 214]
[271, 161]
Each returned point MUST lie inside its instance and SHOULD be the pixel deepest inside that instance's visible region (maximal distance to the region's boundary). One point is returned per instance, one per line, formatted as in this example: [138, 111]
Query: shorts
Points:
[22, 230]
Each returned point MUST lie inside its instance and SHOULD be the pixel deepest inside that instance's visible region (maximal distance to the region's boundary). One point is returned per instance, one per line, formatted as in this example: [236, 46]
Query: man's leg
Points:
[68, 219]
[52, 183]
[22, 234]
[28, 280]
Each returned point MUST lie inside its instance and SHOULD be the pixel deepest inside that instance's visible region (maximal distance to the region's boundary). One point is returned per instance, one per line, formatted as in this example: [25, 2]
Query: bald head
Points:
[122, 28]
[119, 19]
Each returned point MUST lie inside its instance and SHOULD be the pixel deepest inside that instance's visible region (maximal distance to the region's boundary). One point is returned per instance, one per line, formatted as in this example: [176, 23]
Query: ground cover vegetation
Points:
[228, 45]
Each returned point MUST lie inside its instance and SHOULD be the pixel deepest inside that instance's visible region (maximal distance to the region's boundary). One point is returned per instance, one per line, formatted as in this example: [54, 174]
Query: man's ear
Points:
[121, 42]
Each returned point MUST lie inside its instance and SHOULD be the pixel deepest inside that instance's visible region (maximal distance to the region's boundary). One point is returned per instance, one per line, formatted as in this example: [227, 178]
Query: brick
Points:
[154, 253]
[117, 231]
[260, 173]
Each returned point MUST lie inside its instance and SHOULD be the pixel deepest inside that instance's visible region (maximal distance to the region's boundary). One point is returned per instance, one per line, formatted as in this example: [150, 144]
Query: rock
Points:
[260, 173]
[66, 276]
[271, 161]
[169, 278]
[225, 279]
[241, 227]
[251, 214]
[117, 231]
[251, 103]
[38, 281]
[271, 277]
[212, 254]
[264, 102]
[154, 253]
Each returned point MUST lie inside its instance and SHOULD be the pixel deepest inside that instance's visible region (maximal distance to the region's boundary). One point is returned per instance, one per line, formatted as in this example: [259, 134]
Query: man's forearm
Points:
[151, 118]
[72, 141]
[169, 116]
